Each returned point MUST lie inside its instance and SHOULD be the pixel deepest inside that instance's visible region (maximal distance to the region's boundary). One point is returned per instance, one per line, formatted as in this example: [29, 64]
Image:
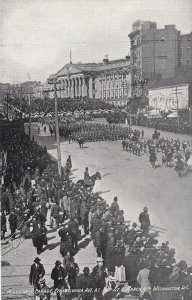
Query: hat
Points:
[99, 259]
[37, 260]
[58, 262]
[86, 269]
[182, 265]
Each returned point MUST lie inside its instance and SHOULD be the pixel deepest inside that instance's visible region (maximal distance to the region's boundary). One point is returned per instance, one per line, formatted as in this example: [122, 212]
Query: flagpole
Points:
[29, 97]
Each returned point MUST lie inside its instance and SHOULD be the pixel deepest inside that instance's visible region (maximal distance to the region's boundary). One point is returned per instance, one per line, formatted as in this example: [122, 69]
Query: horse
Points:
[81, 142]
[91, 182]
[123, 144]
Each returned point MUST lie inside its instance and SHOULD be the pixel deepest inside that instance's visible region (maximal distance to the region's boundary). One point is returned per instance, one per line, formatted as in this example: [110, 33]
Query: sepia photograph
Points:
[96, 149]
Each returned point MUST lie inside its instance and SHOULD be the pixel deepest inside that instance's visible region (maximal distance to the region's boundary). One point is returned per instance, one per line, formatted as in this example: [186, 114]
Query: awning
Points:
[154, 112]
[173, 115]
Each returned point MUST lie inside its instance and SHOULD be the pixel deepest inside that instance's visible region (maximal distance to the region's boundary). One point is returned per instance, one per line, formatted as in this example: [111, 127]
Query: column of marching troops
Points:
[126, 251]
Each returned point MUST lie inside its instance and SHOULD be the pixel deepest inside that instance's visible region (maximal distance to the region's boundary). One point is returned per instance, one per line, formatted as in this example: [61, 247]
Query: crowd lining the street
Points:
[126, 251]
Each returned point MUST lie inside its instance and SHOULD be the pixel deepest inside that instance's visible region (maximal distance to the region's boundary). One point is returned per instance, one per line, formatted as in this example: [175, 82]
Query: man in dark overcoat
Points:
[131, 267]
[37, 272]
[73, 229]
[144, 220]
[86, 283]
[58, 274]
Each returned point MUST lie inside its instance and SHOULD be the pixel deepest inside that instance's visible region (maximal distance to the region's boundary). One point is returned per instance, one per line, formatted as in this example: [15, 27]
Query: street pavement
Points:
[136, 185]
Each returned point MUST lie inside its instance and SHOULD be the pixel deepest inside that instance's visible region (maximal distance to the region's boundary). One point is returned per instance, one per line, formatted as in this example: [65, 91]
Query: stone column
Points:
[101, 87]
[80, 87]
[119, 85]
[90, 87]
[69, 88]
[72, 88]
[76, 88]
[64, 87]
[84, 90]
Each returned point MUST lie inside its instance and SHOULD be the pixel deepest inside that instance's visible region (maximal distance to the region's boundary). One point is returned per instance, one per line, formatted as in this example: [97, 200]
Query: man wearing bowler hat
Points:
[58, 274]
[37, 272]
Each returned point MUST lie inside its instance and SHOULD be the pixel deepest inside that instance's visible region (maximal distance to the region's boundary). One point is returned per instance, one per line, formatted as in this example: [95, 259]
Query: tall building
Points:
[109, 81]
[185, 49]
[154, 54]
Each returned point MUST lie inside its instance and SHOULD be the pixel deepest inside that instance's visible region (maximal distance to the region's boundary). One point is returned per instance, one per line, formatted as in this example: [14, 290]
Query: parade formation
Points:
[96, 150]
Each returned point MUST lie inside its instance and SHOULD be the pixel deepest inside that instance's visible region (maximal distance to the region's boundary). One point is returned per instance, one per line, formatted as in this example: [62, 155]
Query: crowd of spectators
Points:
[126, 251]
[46, 106]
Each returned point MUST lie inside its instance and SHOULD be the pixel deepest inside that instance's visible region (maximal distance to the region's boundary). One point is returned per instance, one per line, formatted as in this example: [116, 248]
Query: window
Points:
[138, 41]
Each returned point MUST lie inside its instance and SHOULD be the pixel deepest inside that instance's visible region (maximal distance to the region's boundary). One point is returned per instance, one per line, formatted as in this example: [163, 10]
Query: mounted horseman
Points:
[89, 181]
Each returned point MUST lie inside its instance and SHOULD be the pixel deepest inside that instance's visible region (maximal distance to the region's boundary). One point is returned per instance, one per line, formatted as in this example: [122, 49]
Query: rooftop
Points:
[91, 67]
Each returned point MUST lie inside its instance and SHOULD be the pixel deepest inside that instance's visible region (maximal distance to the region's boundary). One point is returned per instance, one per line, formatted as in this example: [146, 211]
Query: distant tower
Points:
[28, 77]
[70, 57]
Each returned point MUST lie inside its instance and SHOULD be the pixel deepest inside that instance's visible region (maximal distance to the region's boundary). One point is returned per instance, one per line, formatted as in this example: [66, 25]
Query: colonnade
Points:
[73, 87]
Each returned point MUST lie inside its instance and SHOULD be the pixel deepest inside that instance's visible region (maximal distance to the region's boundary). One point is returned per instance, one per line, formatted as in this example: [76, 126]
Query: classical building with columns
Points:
[108, 81]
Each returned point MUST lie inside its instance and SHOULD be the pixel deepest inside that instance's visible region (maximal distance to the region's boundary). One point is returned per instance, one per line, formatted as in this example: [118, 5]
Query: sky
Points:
[36, 36]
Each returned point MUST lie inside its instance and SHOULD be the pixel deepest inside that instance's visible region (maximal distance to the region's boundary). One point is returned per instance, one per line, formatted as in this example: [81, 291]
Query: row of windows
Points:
[186, 50]
[107, 78]
[111, 94]
[186, 61]
[113, 84]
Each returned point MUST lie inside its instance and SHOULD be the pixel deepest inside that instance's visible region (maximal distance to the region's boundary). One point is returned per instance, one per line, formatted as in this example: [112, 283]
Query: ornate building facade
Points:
[108, 81]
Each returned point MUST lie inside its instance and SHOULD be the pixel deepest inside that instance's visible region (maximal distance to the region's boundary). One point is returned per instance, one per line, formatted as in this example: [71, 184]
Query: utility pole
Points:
[29, 98]
[57, 128]
[176, 94]
[177, 104]
[7, 106]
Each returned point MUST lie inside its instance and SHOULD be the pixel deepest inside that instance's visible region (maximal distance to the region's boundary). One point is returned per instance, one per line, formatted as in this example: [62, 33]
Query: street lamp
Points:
[53, 81]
